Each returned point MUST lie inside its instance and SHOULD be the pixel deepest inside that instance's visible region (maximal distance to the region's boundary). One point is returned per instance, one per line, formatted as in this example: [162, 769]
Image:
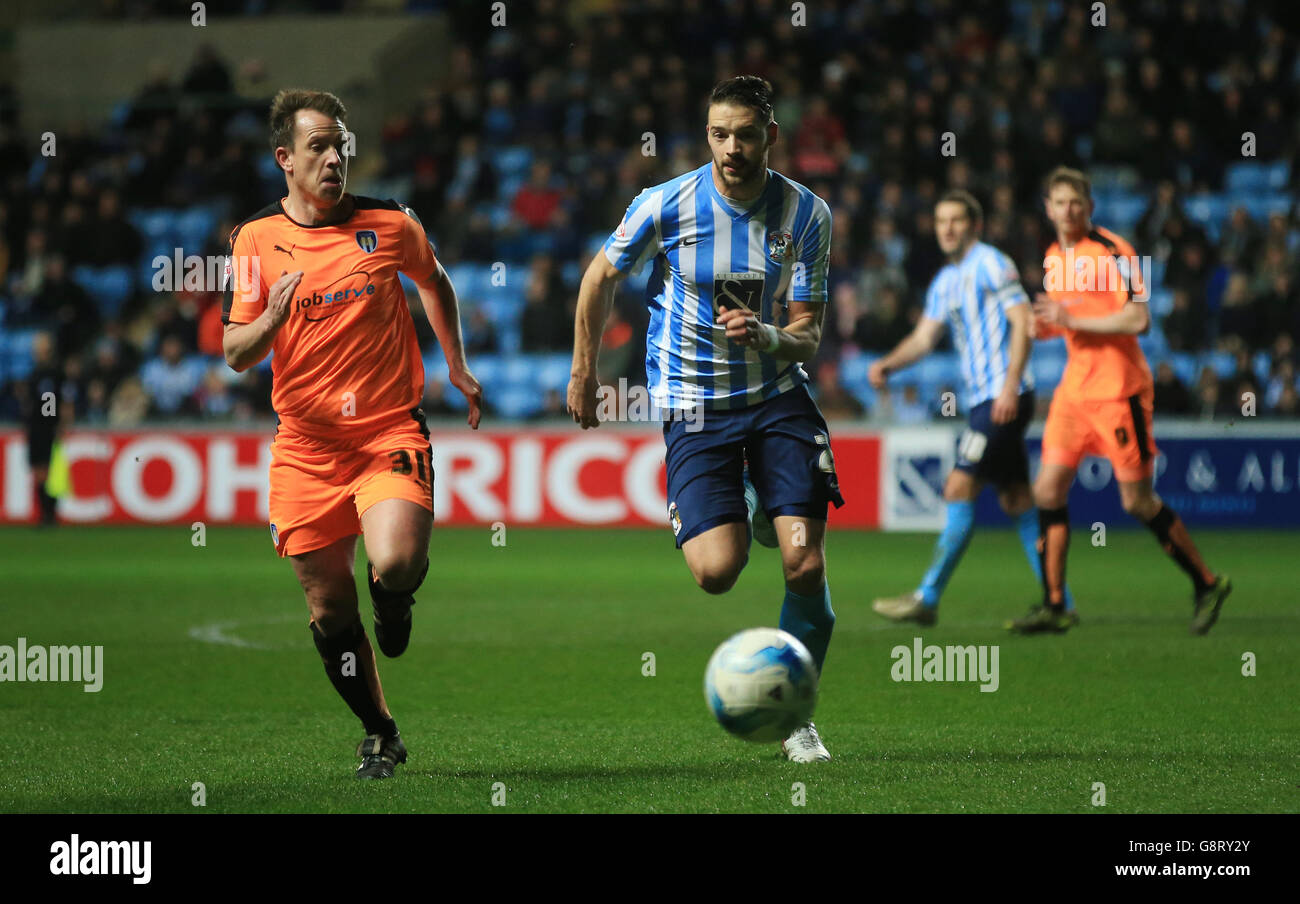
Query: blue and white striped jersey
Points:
[973, 296]
[709, 255]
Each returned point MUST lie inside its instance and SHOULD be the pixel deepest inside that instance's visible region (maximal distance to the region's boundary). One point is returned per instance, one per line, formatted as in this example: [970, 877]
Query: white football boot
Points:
[805, 746]
[762, 527]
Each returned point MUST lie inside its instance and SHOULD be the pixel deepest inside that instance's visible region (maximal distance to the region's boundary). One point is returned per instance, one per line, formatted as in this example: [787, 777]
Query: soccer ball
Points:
[761, 684]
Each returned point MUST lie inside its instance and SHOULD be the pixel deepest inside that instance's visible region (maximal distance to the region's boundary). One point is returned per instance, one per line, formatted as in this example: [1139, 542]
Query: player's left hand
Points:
[463, 380]
[744, 328]
[1005, 407]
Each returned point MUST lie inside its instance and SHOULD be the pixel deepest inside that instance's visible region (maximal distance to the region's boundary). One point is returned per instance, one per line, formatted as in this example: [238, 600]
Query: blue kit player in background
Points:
[732, 243]
[978, 293]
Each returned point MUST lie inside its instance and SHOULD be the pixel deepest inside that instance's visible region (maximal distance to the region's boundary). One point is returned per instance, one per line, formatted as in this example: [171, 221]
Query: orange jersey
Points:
[346, 360]
[1096, 277]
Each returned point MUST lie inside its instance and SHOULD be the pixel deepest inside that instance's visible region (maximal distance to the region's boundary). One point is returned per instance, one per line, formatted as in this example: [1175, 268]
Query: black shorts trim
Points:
[1140, 427]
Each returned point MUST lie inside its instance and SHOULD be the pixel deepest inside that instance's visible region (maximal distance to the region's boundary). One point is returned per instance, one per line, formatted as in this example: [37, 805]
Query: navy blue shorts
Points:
[995, 453]
[790, 464]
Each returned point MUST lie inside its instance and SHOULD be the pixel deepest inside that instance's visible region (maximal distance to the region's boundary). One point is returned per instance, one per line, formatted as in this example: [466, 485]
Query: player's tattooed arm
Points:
[595, 297]
[797, 341]
[245, 344]
[915, 346]
[438, 296]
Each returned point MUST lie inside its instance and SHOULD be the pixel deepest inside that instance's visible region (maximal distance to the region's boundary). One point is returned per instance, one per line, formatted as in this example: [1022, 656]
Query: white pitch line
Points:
[218, 632]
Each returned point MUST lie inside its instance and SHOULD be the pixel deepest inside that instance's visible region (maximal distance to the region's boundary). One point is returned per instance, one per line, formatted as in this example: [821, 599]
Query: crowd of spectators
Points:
[608, 98]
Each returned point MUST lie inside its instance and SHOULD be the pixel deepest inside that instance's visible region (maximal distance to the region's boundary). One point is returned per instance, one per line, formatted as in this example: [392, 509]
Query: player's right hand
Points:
[581, 399]
[280, 302]
[878, 374]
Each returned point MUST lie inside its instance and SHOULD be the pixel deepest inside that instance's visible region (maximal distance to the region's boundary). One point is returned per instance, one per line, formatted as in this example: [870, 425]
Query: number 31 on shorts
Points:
[402, 463]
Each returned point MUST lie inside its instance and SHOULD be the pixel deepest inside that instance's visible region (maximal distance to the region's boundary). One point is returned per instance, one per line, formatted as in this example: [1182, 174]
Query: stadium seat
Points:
[1223, 363]
[1162, 302]
[511, 162]
[553, 371]
[109, 287]
[1262, 365]
[1186, 368]
[519, 402]
[1248, 176]
[486, 368]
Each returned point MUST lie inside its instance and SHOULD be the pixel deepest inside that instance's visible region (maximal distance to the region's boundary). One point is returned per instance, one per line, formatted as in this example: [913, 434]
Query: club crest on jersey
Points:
[367, 240]
[780, 245]
[674, 518]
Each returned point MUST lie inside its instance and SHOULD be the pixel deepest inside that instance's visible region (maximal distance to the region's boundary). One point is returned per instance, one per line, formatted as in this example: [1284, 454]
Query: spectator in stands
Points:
[544, 327]
[1172, 397]
[1288, 403]
[480, 335]
[1150, 232]
[1183, 327]
[885, 323]
[1238, 316]
[537, 200]
[1283, 376]
[129, 404]
[67, 307]
[906, 408]
[1208, 398]
[1238, 240]
[836, 402]
[113, 240]
[214, 397]
[171, 380]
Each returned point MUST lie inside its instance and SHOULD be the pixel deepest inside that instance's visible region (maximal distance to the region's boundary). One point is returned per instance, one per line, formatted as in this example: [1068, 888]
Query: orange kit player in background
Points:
[1104, 402]
[351, 450]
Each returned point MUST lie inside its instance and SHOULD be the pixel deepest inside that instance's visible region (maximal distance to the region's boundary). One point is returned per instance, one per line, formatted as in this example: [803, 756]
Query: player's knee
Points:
[806, 572]
[401, 571]
[1015, 500]
[718, 577]
[1139, 505]
[331, 614]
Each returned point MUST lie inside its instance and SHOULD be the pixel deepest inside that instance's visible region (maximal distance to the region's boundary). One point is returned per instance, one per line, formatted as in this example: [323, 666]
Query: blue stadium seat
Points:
[18, 349]
[520, 370]
[109, 287]
[1224, 364]
[1262, 365]
[1162, 302]
[519, 402]
[941, 367]
[1210, 211]
[853, 368]
[1248, 176]
[487, 368]
[1279, 174]
[1186, 368]
[553, 371]
[194, 226]
[511, 161]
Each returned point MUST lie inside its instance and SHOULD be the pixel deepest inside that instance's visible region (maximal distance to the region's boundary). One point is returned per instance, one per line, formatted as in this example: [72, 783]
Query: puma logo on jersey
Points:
[288, 252]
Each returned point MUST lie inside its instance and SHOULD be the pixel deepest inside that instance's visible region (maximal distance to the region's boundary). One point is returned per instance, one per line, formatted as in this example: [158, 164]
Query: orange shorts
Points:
[321, 488]
[1118, 429]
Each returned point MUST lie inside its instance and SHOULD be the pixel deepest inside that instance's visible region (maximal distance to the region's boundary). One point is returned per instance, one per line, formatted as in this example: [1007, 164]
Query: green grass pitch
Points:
[525, 669]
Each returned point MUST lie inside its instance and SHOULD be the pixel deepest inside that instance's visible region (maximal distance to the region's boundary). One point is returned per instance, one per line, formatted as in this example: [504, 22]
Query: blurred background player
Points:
[351, 451]
[1103, 405]
[979, 293]
[732, 241]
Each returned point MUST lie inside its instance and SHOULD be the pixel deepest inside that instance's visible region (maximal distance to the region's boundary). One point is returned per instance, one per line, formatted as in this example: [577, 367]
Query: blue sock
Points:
[1027, 526]
[948, 550]
[811, 619]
